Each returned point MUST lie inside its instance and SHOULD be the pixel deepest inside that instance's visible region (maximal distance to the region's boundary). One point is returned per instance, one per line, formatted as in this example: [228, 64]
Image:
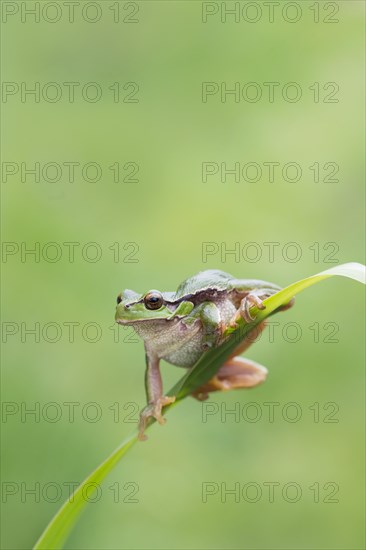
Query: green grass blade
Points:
[60, 526]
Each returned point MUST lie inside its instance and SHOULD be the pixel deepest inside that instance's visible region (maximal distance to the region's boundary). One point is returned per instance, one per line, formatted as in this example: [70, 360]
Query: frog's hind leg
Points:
[236, 372]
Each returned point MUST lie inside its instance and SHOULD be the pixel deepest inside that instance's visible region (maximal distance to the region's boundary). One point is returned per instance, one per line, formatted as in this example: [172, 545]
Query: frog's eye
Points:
[153, 300]
[119, 299]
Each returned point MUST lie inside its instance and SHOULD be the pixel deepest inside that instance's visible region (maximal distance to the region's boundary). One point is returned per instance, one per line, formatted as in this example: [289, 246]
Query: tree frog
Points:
[180, 326]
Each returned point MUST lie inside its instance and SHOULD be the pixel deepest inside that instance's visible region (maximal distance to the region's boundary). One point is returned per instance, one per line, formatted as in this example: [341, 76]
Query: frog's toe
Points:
[245, 313]
[153, 410]
[145, 416]
[247, 303]
[200, 395]
[166, 400]
[159, 417]
[142, 436]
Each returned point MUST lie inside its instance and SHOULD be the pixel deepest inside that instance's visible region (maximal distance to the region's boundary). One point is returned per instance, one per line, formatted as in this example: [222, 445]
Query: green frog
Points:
[180, 326]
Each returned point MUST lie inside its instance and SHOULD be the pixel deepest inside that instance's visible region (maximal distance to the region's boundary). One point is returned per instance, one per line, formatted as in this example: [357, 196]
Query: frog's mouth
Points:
[121, 322]
[137, 321]
[131, 320]
[125, 322]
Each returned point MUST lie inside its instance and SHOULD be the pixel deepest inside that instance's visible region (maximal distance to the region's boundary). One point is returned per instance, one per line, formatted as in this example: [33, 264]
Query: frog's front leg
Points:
[212, 323]
[154, 392]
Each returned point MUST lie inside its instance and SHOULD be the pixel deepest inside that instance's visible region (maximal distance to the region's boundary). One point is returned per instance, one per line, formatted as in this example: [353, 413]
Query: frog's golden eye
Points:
[153, 300]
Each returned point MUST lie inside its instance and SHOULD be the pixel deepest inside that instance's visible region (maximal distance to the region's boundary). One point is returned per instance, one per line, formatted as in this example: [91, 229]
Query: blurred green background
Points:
[169, 213]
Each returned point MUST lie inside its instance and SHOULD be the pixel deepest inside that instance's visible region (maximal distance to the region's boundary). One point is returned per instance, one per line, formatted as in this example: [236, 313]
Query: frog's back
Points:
[210, 279]
[214, 279]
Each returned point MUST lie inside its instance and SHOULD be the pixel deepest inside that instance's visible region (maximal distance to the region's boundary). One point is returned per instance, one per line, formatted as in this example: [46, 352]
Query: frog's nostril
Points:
[119, 299]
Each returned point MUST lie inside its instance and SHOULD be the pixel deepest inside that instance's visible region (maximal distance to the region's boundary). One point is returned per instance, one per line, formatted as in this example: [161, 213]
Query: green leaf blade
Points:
[60, 526]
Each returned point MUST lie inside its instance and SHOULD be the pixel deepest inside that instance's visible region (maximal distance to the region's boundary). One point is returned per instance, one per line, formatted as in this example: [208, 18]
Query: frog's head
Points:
[132, 307]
